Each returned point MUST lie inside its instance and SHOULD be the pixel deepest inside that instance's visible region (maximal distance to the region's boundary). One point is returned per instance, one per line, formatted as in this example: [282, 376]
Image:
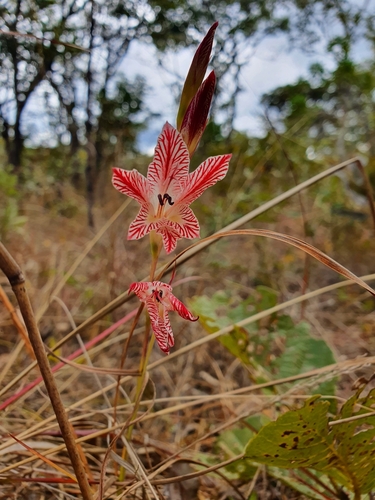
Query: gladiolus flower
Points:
[159, 300]
[168, 190]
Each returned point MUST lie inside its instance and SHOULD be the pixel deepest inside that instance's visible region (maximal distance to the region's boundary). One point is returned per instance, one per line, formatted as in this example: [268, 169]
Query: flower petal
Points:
[161, 325]
[189, 225]
[170, 232]
[182, 310]
[171, 160]
[142, 289]
[131, 183]
[207, 174]
[139, 227]
[186, 226]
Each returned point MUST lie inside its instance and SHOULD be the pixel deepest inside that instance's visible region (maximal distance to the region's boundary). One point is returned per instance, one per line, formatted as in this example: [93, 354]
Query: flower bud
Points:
[195, 119]
[196, 73]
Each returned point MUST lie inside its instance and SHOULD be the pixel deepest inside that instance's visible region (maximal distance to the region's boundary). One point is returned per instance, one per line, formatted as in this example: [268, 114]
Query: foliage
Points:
[10, 218]
[338, 105]
[70, 46]
[306, 438]
[296, 350]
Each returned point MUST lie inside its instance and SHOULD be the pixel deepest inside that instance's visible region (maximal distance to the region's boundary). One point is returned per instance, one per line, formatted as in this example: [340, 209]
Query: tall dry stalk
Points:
[17, 281]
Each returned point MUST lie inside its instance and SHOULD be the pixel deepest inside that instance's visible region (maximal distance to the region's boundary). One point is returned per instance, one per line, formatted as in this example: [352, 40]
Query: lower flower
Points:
[159, 300]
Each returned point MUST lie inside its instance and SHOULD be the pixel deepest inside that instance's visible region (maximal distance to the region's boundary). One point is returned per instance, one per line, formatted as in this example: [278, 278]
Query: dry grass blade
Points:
[44, 459]
[17, 322]
[93, 369]
[290, 240]
[194, 249]
[369, 190]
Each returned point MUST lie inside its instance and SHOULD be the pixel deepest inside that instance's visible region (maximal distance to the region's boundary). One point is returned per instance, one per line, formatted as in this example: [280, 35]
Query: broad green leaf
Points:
[298, 438]
[356, 443]
[303, 353]
[303, 439]
[232, 442]
[214, 314]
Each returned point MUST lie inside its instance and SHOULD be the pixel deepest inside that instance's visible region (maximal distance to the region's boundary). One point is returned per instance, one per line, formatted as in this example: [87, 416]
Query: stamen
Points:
[156, 294]
[163, 198]
[168, 198]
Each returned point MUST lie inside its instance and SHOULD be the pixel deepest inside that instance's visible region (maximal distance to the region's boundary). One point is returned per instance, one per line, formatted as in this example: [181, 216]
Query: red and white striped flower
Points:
[159, 299]
[168, 190]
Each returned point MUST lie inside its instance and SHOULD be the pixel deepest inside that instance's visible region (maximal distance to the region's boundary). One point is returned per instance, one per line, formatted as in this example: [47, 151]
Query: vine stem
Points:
[17, 281]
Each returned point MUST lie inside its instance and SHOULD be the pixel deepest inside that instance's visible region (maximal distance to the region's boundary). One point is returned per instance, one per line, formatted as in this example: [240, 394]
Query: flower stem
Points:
[155, 248]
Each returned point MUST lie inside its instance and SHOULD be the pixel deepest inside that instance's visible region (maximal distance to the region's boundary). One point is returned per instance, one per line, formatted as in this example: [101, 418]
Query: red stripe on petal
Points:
[171, 232]
[169, 240]
[140, 227]
[171, 160]
[182, 310]
[131, 183]
[189, 226]
[161, 326]
[142, 289]
[207, 174]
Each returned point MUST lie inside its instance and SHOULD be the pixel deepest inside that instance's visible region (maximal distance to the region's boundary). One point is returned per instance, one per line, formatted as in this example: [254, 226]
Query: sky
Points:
[272, 65]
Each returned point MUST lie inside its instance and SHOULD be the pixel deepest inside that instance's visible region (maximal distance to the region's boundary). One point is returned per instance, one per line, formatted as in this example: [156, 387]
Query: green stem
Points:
[155, 247]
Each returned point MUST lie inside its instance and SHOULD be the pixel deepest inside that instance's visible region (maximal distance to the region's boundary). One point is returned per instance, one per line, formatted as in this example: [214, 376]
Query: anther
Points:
[168, 198]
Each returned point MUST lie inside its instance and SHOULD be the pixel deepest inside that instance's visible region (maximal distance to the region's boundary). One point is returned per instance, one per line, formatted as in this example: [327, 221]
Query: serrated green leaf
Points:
[303, 439]
[299, 438]
[356, 443]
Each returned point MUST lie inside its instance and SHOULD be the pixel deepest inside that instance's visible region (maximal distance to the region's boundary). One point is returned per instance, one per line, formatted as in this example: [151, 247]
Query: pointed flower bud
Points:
[195, 119]
[196, 73]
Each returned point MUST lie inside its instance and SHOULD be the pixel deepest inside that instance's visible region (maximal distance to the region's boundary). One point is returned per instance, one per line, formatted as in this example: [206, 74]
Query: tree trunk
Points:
[90, 172]
[15, 150]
